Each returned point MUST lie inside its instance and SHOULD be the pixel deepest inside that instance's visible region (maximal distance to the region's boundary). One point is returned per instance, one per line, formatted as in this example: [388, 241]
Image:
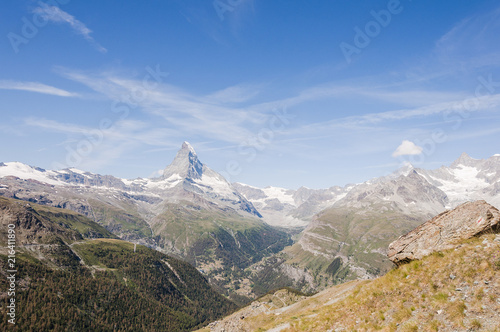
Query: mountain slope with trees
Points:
[69, 281]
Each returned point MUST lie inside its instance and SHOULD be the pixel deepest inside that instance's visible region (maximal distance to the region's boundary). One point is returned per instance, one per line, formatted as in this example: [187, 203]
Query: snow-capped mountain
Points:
[290, 208]
[185, 176]
[170, 212]
[192, 211]
[408, 189]
[467, 179]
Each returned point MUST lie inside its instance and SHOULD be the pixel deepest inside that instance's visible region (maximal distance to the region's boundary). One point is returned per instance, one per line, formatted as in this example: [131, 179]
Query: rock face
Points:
[445, 230]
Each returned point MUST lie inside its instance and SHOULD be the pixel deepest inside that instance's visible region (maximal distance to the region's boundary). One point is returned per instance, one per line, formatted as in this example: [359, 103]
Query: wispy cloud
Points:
[233, 115]
[235, 94]
[221, 20]
[122, 130]
[91, 148]
[35, 87]
[471, 42]
[208, 116]
[57, 15]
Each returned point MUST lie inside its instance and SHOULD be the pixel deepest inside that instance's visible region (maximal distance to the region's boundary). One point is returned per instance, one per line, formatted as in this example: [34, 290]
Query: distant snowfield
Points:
[280, 194]
[465, 182]
[26, 172]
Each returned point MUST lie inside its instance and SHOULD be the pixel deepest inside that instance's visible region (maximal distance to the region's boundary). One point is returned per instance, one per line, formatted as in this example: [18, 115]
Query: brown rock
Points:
[445, 230]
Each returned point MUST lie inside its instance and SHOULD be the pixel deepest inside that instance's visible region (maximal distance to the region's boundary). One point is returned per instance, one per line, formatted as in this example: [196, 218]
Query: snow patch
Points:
[280, 194]
[169, 182]
[78, 171]
[220, 186]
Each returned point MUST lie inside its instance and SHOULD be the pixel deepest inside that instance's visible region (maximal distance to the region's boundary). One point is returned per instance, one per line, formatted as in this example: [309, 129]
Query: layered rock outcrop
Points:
[445, 230]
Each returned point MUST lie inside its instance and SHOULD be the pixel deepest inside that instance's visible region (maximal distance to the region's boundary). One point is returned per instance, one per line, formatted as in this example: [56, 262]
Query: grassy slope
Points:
[73, 220]
[456, 290]
[123, 220]
[181, 224]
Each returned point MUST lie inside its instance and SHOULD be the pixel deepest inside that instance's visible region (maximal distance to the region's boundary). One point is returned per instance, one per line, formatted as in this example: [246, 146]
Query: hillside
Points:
[454, 290]
[68, 279]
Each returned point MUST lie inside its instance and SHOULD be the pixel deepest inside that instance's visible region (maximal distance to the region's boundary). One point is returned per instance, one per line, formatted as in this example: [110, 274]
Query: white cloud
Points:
[407, 148]
[56, 15]
[35, 87]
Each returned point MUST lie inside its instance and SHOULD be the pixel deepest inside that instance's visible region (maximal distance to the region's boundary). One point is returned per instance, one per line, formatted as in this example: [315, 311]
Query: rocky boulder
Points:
[445, 230]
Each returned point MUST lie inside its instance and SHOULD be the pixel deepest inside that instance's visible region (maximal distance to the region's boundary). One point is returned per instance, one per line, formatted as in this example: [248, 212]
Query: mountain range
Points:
[240, 236]
[349, 239]
[444, 188]
[190, 212]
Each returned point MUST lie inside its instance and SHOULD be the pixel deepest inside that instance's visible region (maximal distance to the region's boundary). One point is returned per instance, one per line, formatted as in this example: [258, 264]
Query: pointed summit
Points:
[185, 164]
[187, 146]
[405, 169]
[464, 160]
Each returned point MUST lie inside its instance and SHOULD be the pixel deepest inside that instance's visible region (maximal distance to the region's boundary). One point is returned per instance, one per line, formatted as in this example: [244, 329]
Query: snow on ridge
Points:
[128, 182]
[27, 172]
[79, 171]
[173, 177]
[247, 185]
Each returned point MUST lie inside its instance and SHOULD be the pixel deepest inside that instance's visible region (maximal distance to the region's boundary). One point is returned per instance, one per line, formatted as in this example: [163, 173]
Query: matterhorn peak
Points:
[185, 164]
[187, 146]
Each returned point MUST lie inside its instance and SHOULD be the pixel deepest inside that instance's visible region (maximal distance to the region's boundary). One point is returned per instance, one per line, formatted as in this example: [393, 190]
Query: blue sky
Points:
[282, 93]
